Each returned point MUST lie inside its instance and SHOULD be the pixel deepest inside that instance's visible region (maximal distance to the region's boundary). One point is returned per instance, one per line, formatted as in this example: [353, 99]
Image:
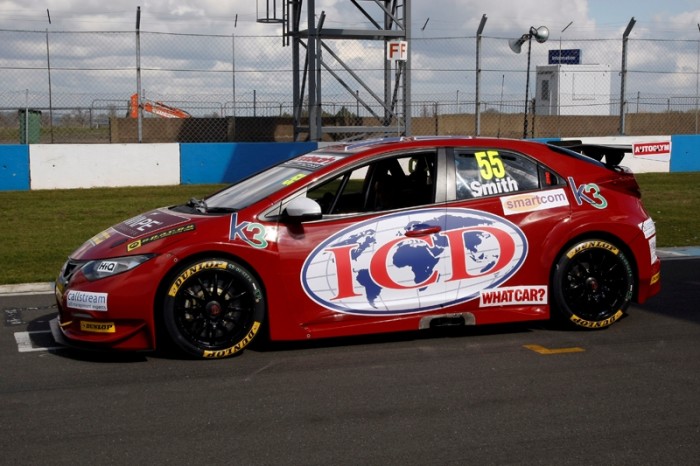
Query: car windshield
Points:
[267, 182]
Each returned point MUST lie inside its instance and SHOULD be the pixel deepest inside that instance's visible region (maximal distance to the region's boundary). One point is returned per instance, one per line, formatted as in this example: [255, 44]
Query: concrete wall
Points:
[67, 166]
[228, 163]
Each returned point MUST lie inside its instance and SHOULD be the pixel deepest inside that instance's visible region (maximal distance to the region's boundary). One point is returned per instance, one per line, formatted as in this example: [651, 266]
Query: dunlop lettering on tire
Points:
[213, 308]
[592, 284]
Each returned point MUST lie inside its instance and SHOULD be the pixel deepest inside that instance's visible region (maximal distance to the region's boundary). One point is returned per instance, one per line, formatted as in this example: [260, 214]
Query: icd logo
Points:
[414, 261]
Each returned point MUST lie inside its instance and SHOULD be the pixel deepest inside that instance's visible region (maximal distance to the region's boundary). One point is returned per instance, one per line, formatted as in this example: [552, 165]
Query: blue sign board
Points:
[565, 57]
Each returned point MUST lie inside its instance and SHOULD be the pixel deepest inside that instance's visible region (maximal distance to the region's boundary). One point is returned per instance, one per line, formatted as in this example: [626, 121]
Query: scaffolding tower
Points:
[388, 21]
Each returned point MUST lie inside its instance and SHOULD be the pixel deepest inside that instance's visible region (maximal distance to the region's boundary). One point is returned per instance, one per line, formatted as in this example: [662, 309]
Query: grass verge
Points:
[42, 227]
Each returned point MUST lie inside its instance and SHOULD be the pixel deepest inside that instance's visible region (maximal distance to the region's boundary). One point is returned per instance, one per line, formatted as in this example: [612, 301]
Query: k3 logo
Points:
[589, 192]
[249, 232]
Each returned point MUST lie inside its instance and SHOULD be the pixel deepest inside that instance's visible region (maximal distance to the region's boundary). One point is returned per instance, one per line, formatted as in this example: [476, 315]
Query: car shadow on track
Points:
[265, 345]
[680, 291]
[40, 338]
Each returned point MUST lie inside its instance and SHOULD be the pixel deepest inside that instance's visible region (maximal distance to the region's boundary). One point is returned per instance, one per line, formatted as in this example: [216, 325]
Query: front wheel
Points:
[213, 308]
[593, 284]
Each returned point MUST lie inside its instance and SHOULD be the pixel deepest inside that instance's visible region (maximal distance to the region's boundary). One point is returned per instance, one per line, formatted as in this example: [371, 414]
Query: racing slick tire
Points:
[213, 308]
[592, 284]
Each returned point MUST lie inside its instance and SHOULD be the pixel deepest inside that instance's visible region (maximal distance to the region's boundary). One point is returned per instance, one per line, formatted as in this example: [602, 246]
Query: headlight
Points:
[95, 270]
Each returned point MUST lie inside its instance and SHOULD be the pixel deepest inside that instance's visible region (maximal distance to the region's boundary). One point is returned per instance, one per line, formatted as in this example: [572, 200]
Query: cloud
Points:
[188, 48]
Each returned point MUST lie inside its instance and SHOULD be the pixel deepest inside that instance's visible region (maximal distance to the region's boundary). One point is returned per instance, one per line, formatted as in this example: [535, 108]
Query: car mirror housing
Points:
[302, 209]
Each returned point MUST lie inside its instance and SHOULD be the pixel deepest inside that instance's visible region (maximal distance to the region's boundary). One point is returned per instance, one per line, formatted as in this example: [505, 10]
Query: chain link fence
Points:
[78, 87]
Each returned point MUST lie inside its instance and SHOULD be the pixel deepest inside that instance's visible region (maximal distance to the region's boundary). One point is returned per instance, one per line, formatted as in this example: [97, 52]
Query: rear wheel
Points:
[213, 308]
[593, 284]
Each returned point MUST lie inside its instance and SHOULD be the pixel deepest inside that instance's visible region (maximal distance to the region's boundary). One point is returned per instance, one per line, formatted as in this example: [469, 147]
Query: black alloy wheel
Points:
[213, 308]
[593, 284]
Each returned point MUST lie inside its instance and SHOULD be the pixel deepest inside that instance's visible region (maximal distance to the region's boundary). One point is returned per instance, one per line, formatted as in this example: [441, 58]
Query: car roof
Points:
[399, 141]
[591, 154]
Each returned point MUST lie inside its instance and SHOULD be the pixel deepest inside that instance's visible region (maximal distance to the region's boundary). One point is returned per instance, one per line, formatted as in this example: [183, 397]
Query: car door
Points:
[513, 202]
[373, 253]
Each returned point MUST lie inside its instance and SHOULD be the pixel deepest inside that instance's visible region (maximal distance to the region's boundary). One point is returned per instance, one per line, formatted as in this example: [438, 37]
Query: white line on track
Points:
[25, 344]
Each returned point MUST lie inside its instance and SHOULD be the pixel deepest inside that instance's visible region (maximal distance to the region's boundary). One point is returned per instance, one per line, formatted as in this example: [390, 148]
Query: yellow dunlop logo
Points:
[590, 245]
[193, 270]
[603, 323]
[235, 348]
[97, 327]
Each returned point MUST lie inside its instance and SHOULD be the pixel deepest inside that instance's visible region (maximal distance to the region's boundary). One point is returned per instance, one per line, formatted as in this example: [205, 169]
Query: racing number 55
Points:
[490, 164]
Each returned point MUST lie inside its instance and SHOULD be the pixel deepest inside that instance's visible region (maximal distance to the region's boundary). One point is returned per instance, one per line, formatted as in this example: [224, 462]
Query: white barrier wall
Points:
[649, 154]
[68, 166]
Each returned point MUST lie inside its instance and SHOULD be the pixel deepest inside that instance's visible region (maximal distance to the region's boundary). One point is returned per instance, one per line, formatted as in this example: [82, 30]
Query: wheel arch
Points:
[603, 235]
[177, 266]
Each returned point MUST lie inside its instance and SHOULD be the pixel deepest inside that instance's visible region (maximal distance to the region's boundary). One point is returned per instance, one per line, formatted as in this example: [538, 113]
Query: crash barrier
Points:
[68, 166]
[648, 154]
[228, 163]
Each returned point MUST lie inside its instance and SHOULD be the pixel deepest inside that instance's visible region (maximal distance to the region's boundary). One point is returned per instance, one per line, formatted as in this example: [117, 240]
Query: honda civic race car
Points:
[375, 236]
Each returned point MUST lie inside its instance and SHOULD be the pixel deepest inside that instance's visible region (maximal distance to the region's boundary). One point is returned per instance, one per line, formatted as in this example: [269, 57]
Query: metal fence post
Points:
[623, 74]
[477, 99]
[138, 73]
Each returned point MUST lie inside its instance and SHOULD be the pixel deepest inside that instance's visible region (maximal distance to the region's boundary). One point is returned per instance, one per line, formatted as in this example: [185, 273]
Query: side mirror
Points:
[302, 209]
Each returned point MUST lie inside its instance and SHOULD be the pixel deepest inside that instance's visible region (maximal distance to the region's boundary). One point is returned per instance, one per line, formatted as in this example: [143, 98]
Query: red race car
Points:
[376, 236]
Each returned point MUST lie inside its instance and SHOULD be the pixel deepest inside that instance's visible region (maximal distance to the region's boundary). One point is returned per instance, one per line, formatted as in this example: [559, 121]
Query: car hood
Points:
[145, 233]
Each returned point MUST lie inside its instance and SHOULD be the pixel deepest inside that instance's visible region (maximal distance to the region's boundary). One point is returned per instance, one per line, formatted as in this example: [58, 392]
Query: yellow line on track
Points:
[542, 350]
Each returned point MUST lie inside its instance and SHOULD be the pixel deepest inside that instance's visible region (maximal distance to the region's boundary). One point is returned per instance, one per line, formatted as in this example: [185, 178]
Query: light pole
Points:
[541, 34]
[559, 78]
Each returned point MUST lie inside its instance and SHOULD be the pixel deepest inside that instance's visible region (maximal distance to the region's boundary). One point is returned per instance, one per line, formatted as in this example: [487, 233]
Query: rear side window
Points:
[488, 172]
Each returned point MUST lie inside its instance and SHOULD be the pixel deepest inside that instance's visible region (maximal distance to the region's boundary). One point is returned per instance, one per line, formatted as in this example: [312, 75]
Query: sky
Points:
[668, 19]
[580, 23]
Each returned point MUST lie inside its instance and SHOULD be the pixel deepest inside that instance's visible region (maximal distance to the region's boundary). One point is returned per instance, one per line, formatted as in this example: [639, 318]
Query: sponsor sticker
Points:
[293, 179]
[312, 162]
[651, 148]
[652, 249]
[100, 237]
[254, 234]
[588, 193]
[142, 224]
[530, 202]
[107, 266]
[413, 261]
[513, 295]
[97, 327]
[158, 236]
[648, 227]
[87, 301]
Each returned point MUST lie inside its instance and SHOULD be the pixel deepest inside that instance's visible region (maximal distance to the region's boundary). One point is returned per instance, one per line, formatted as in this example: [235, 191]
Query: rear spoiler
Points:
[613, 154]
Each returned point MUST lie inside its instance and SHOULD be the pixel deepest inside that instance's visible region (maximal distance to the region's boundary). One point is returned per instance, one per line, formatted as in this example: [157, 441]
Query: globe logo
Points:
[413, 261]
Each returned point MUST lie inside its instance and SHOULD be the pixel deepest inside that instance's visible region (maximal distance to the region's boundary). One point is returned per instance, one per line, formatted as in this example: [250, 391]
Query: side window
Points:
[391, 183]
[486, 172]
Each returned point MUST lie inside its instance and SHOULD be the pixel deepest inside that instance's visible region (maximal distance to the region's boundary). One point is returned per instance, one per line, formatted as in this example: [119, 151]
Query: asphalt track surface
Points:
[506, 394]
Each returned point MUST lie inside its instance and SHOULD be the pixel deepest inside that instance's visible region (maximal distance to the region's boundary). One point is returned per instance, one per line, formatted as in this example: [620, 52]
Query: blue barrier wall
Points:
[686, 153]
[14, 167]
[230, 162]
